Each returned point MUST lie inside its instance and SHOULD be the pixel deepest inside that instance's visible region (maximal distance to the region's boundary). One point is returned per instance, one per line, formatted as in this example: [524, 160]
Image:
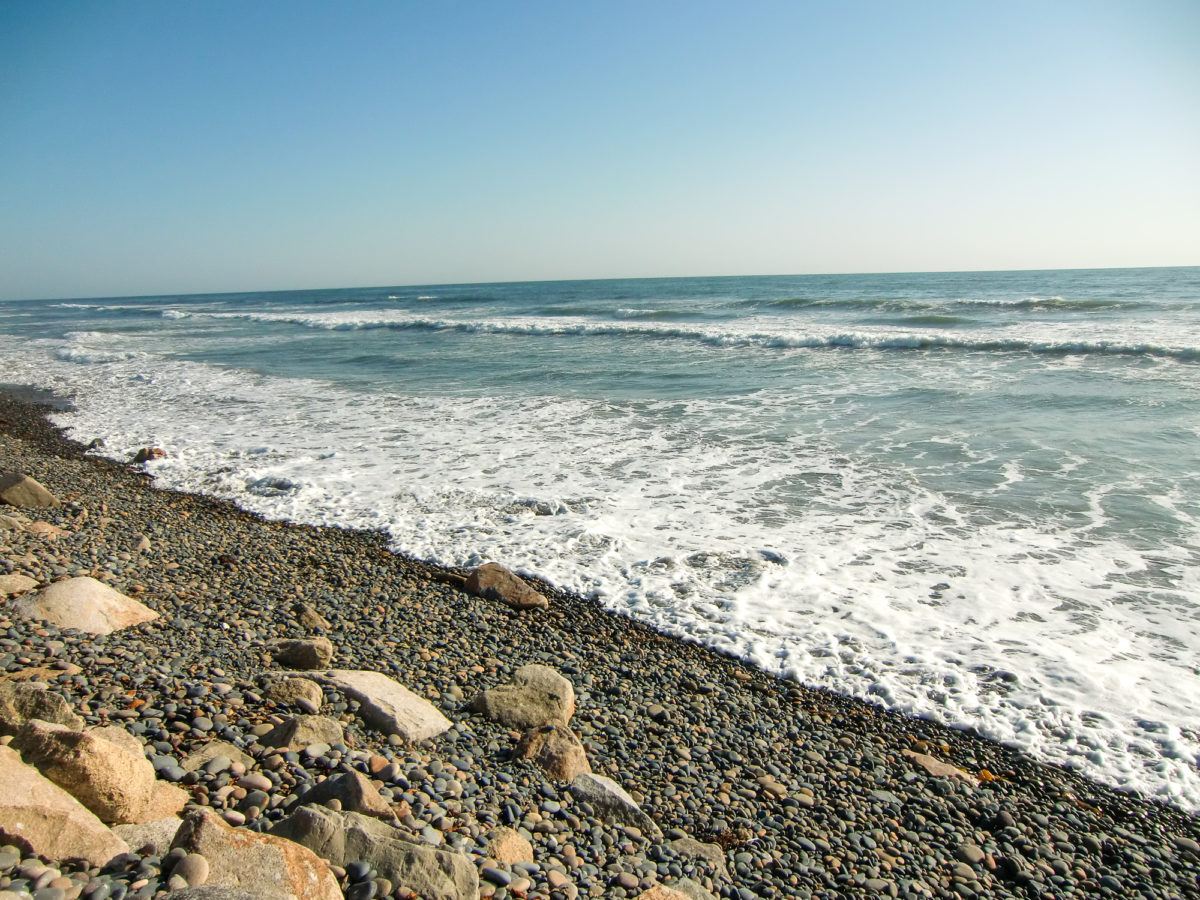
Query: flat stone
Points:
[18, 489]
[261, 865]
[389, 706]
[353, 791]
[713, 854]
[303, 653]
[40, 817]
[536, 696]
[938, 768]
[11, 585]
[293, 691]
[21, 702]
[612, 803]
[299, 732]
[493, 581]
[342, 838]
[84, 604]
[156, 835]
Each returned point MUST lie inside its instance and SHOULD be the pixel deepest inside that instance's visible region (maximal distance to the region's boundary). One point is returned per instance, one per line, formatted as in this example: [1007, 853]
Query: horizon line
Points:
[443, 284]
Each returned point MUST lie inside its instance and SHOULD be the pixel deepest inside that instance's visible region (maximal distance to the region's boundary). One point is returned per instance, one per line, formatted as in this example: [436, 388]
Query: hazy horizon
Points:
[155, 150]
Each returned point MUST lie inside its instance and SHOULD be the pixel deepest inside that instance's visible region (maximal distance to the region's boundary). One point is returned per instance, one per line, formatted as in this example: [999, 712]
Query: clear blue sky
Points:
[208, 146]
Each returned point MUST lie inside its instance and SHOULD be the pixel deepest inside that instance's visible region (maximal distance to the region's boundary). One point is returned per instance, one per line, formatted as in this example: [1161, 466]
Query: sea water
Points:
[973, 497]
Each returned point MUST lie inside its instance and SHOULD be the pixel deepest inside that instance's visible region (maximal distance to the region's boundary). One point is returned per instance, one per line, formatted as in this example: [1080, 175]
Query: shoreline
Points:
[797, 781]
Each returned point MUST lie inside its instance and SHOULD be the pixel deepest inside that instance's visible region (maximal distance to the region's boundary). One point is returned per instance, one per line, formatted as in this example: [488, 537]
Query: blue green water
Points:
[970, 496]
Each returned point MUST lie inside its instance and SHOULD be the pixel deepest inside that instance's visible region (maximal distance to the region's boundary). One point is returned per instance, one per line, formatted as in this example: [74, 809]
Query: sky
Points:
[152, 147]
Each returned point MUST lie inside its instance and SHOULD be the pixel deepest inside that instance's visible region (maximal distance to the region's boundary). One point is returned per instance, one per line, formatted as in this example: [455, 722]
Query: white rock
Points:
[84, 604]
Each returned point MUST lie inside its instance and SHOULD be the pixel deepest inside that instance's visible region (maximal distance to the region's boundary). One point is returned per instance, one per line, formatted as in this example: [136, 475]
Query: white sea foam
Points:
[1044, 339]
[884, 588]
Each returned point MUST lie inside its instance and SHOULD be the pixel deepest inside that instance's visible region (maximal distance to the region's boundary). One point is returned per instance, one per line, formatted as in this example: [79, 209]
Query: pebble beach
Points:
[582, 754]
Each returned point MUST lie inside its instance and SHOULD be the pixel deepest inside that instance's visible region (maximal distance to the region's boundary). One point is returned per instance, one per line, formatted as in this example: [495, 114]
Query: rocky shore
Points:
[259, 709]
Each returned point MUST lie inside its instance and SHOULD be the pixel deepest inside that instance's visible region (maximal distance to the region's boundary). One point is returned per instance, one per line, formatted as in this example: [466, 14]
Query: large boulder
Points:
[84, 604]
[353, 791]
[18, 489]
[388, 705]
[611, 803]
[41, 818]
[556, 749]
[506, 846]
[102, 768]
[536, 696]
[22, 701]
[342, 838]
[261, 865]
[303, 653]
[299, 732]
[494, 582]
[302, 692]
[16, 583]
[155, 836]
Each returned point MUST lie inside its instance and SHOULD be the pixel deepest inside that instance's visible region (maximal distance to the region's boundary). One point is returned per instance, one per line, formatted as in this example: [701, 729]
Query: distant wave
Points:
[715, 337]
[898, 304]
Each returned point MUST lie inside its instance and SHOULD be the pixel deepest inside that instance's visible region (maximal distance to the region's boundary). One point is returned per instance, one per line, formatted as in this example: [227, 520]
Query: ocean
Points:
[972, 497]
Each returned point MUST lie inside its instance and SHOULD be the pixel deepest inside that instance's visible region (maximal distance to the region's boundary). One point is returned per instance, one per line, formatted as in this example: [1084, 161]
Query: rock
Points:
[342, 838]
[299, 732]
[713, 854]
[20, 702]
[210, 892]
[40, 674]
[686, 888]
[494, 582]
[40, 817]
[84, 604]
[46, 530]
[12, 523]
[302, 692]
[389, 706]
[536, 696]
[262, 865]
[165, 800]
[612, 803]
[939, 769]
[11, 585]
[303, 653]
[18, 489]
[308, 617]
[556, 749]
[156, 835]
[99, 769]
[146, 454]
[197, 759]
[193, 869]
[353, 791]
[505, 845]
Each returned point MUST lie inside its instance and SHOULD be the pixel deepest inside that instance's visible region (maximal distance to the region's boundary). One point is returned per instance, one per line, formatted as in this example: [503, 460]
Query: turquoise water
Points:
[970, 496]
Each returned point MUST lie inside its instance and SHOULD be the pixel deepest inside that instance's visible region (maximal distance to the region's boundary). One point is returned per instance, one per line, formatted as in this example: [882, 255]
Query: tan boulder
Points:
[537, 695]
[18, 489]
[22, 701]
[556, 749]
[303, 653]
[939, 769]
[46, 530]
[302, 692]
[493, 581]
[12, 523]
[84, 604]
[264, 866]
[354, 793]
[299, 732]
[11, 585]
[505, 845]
[99, 767]
[156, 835]
[212, 750]
[40, 817]
[683, 889]
[387, 705]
